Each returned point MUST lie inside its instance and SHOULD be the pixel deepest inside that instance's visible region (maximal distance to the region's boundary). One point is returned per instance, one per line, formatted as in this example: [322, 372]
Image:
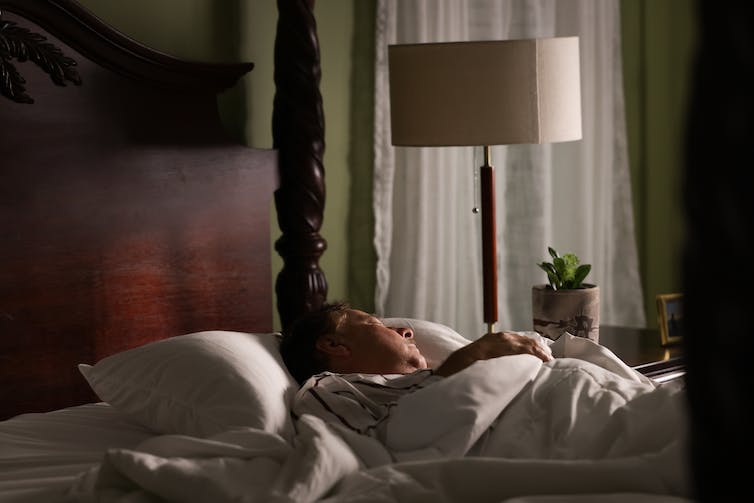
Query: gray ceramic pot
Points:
[574, 311]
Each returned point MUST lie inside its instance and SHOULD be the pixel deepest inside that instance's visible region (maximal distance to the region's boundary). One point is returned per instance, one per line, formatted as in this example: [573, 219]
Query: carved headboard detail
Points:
[24, 45]
[298, 129]
[127, 212]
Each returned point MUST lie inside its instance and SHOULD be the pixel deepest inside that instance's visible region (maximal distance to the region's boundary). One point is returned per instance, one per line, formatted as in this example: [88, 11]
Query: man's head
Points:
[344, 340]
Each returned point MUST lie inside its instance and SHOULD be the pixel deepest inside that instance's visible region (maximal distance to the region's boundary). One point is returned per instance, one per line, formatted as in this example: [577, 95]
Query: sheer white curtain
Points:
[575, 197]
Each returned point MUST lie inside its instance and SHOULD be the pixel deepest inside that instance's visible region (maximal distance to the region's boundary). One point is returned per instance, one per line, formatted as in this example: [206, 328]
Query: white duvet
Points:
[508, 429]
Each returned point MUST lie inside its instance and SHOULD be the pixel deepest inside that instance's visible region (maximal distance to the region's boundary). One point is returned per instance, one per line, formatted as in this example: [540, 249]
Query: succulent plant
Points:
[566, 272]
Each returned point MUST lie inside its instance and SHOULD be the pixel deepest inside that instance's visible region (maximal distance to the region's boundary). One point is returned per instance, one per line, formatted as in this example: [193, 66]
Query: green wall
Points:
[362, 257]
[183, 28]
[658, 43]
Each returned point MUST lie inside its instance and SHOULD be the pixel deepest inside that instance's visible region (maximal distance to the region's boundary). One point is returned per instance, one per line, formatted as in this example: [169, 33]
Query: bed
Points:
[137, 354]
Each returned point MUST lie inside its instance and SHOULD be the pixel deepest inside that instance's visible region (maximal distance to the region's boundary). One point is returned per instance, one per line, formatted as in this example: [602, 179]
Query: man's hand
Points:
[491, 346]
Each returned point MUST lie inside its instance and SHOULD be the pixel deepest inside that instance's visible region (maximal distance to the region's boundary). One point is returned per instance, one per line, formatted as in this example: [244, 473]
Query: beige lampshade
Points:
[485, 93]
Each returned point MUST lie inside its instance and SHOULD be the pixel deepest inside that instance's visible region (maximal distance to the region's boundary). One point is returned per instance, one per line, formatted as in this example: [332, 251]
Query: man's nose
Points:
[405, 332]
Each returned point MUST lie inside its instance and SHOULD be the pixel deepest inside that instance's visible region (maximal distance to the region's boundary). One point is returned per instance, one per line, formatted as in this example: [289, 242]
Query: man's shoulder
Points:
[327, 379]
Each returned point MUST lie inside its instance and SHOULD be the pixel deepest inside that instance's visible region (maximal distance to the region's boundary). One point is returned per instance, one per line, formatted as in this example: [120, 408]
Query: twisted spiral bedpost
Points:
[298, 135]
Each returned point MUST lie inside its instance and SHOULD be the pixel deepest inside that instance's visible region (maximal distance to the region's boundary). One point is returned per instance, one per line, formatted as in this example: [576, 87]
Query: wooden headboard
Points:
[127, 214]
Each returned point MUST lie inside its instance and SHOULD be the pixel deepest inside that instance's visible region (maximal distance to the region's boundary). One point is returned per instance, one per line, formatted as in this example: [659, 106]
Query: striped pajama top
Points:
[360, 403]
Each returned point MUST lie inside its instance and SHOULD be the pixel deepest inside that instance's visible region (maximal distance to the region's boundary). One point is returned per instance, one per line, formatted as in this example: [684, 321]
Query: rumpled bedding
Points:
[509, 429]
[246, 465]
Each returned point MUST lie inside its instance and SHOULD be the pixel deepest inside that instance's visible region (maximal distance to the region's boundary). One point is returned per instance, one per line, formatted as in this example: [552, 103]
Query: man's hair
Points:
[298, 344]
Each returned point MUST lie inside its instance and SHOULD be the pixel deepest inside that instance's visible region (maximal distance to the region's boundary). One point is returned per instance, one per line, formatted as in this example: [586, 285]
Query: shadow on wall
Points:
[362, 258]
[226, 46]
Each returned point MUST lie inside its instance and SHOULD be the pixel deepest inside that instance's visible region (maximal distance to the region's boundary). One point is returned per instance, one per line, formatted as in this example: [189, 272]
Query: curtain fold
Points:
[575, 196]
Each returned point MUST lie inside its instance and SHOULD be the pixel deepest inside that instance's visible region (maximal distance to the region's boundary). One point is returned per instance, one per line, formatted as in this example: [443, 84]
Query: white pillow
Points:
[199, 384]
[435, 340]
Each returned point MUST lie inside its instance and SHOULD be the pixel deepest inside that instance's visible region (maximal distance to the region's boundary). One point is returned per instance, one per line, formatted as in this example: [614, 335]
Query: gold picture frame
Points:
[670, 318]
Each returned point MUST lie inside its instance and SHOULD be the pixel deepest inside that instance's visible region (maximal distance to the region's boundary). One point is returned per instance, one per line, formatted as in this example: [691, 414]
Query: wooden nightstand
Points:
[640, 348]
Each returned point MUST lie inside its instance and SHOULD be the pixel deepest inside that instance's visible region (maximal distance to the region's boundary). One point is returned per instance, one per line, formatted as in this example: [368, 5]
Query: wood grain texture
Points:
[126, 216]
[298, 131]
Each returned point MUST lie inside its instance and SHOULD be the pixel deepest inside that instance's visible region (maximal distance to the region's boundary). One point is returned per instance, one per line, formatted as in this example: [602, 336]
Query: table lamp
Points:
[485, 93]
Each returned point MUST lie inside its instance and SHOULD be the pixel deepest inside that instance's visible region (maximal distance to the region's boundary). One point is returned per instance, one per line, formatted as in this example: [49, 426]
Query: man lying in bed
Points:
[347, 341]
[502, 395]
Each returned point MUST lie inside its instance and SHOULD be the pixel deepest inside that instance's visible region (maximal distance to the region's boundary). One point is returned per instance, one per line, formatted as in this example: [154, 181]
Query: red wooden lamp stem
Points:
[489, 247]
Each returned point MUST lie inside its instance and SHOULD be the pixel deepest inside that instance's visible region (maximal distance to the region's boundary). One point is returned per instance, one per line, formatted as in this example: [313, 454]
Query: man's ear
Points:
[331, 345]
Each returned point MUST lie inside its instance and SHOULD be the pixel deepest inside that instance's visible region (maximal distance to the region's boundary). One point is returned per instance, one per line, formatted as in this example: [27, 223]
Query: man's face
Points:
[374, 348]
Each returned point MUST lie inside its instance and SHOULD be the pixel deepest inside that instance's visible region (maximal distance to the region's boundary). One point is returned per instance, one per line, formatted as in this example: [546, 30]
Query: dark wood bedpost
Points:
[298, 133]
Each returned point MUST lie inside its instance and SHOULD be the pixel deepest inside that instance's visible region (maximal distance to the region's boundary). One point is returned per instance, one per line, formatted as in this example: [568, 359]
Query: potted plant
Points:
[566, 303]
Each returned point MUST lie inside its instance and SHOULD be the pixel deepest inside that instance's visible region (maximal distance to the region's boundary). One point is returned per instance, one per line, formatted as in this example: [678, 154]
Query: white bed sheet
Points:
[92, 453]
[41, 454]
[325, 464]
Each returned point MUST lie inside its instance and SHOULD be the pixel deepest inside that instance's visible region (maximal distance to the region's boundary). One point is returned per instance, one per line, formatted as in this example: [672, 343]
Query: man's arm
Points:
[491, 346]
